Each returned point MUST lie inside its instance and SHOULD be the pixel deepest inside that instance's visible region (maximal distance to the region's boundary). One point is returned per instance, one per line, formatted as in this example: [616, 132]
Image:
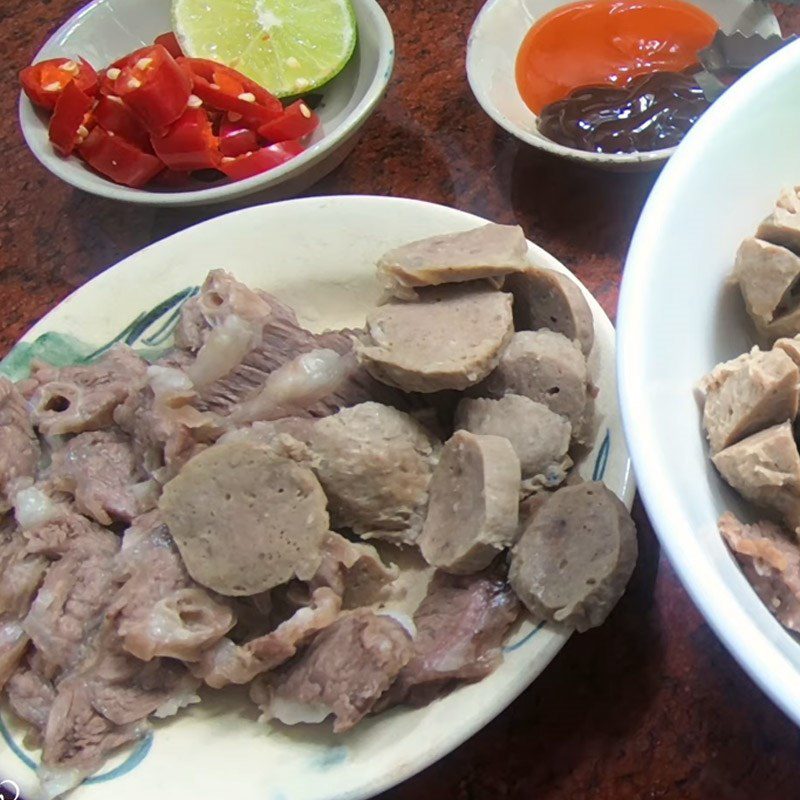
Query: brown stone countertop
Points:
[648, 706]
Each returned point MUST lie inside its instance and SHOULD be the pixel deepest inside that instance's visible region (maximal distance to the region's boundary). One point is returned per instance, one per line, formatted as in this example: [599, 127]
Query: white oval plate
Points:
[492, 54]
[317, 254]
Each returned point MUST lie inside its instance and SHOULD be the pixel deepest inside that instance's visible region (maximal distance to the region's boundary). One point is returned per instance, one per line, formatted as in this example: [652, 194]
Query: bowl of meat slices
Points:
[709, 320]
[289, 526]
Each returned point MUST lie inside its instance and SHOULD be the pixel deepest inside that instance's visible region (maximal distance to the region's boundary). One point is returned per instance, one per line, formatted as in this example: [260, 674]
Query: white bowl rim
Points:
[542, 142]
[72, 173]
[748, 643]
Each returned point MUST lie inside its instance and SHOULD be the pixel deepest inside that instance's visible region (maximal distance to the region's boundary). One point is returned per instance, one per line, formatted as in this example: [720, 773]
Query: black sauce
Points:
[652, 112]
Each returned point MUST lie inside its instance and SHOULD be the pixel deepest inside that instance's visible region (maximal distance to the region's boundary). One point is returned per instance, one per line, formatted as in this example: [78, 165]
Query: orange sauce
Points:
[608, 42]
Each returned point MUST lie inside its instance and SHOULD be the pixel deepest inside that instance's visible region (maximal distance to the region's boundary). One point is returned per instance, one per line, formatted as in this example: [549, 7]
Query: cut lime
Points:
[288, 46]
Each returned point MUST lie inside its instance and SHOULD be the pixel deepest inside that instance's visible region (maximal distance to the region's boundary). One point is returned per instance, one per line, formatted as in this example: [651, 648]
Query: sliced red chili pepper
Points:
[297, 121]
[44, 82]
[109, 75]
[169, 41]
[234, 92]
[234, 80]
[259, 161]
[154, 87]
[119, 160]
[236, 139]
[114, 116]
[189, 144]
[68, 117]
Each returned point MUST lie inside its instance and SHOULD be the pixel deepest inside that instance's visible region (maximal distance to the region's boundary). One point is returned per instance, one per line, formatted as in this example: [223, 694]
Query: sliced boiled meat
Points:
[72, 600]
[344, 671]
[474, 503]
[539, 436]
[221, 298]
[19, 448]
[544, 298]
[165, 428]
[99, 469]
[460, 627]
[298, 385]
[575, 559]
[355, 571]
[104, 703]
[765, 469]
[548, 368]
[228, 663]
[375, 464]
[83, 398]
[491, 251]
[31, 695]
[770, 559]
[23, 572]
[315, 376]
[451, 338]
[246, 519]
[747, 394]
[159, 610]
[790, 346]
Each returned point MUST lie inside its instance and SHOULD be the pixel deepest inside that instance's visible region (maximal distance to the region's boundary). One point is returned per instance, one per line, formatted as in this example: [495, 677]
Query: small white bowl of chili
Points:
[103, 32]
[495, 41]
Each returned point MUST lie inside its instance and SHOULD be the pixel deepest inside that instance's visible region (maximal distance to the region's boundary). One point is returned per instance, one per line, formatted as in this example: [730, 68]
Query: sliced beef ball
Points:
[539, 436]
[474, 507]
[767, 275]
[548, 368]
[460, 628]
[544, 298]
[572, 563]
[771, 562]
[99, 469]
[19, 447]
[747, 394]
[246, 519]
[782, 226]
[375, 465]
[83, 398]
[451, 339]
[491, 251]
[765, 469]
[344, 671]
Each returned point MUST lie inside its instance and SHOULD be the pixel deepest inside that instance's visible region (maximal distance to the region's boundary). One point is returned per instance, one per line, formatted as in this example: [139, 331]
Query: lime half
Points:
[288, 46]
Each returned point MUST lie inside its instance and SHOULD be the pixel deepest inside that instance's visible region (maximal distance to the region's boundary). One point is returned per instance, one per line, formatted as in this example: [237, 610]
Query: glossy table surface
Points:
[648, 706]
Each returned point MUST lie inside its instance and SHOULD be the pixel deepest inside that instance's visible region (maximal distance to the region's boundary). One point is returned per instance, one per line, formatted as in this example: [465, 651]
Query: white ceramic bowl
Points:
[492, 52]
[677, 319]
[104, 30]
[318, 254]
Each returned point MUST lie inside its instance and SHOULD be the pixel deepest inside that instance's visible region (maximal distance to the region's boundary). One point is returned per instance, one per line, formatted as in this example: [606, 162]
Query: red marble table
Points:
[648, 706]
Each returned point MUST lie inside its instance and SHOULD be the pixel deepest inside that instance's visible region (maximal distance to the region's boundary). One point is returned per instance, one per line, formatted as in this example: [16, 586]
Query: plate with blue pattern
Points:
[318, 255]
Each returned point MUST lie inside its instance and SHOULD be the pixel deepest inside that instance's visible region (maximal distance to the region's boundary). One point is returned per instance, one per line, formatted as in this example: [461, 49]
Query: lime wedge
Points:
[288, 46]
